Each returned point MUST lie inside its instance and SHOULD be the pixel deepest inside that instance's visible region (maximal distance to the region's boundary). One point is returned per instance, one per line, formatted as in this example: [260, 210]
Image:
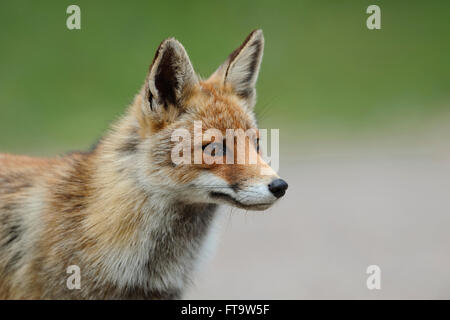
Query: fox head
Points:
[173, 100]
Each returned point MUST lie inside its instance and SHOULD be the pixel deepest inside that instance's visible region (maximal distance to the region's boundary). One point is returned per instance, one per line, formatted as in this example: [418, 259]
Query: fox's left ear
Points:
[241, 68]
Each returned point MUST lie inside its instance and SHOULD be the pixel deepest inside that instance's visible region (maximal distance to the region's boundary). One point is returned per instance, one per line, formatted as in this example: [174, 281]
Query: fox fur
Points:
[133, 222]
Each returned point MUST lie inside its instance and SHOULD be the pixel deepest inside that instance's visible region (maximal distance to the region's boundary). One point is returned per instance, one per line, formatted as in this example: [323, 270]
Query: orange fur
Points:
[131, 219]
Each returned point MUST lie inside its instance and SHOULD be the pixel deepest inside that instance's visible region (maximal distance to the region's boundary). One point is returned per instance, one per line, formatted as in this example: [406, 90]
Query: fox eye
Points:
[215, 149]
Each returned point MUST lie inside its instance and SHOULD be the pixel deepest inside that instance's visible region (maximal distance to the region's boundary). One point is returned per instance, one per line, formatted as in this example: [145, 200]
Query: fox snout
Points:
[257, 193]
[278, 187]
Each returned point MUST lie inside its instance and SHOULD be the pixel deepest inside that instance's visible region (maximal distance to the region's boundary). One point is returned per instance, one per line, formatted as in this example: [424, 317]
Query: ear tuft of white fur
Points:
[241, 69]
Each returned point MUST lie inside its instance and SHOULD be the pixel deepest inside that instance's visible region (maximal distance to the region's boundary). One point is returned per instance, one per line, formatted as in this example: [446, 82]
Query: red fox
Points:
[134, 222]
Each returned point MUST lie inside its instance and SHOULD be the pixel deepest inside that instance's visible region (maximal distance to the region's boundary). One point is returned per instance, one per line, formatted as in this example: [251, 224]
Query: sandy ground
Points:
[347, 207]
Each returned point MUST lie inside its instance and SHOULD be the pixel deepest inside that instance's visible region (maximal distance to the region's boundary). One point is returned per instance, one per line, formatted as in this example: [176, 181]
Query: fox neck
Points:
[146, 239]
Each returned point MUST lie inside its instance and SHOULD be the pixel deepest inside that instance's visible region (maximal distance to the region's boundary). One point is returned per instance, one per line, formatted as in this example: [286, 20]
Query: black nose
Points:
[278, 187]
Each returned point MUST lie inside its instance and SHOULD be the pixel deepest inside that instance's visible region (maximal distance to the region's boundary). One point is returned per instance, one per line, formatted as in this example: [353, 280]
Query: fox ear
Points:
[171, 75]
[241, 68]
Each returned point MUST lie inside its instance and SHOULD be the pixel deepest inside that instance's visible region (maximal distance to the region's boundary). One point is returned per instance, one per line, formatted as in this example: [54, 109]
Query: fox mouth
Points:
[229, 199]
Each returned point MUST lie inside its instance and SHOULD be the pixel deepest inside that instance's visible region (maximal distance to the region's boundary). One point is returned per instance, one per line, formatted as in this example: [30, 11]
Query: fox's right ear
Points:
[170, 77]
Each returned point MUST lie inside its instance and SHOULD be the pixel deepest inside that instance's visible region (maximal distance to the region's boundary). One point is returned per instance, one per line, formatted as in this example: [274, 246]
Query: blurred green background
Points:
[324, 73]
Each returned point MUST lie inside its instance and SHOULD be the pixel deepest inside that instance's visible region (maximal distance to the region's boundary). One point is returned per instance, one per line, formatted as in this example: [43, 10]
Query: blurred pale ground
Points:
[384, 202]
[363, 116]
